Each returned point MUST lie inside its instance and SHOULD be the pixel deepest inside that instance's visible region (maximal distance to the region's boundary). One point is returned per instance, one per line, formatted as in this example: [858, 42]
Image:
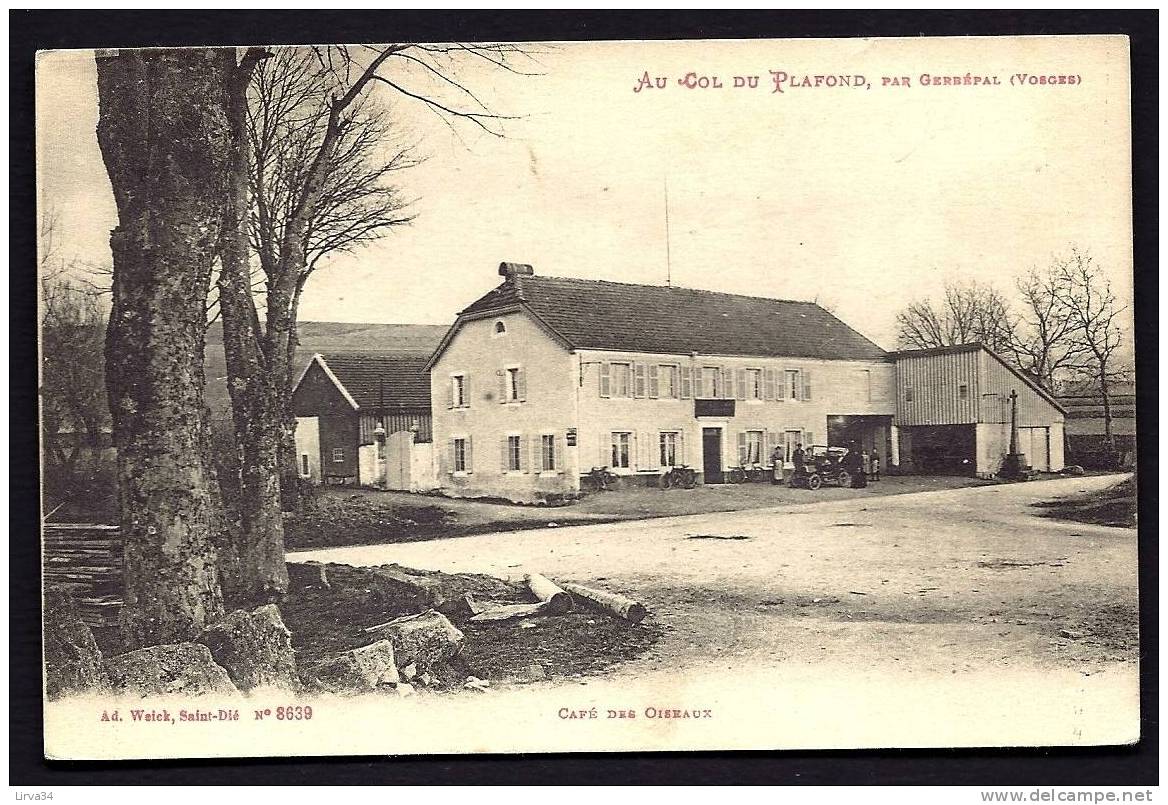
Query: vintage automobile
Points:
[830, 465]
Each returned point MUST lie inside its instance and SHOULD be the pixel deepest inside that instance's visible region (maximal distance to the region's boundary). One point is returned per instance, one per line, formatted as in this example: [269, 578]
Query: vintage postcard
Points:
[587, 396]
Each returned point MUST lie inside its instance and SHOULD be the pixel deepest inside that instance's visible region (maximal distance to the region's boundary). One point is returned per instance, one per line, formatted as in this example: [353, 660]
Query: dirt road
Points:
[959, 602]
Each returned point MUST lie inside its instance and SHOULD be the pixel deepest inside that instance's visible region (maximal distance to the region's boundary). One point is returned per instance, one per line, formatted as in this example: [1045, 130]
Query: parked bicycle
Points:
[682, 476]
[602, 478]
[754, 473]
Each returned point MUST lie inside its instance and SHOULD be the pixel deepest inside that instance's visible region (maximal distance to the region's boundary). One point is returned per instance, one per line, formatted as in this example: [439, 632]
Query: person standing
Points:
[777, 465]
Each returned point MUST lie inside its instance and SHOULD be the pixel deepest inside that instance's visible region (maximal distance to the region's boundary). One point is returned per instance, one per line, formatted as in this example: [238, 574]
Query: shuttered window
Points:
[654, 381]
[622, 450]
[513, 385]
[771, 384]
[547, 453]
[750, 447]
[513, 453]
[792, 387]
[751, 385]
[686, 383]
[621, 380]
[462, 459]
[667, 388]
[605, 379]
[669, 448]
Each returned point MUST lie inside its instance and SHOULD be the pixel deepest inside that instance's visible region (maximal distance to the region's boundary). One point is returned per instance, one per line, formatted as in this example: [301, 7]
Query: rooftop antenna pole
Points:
[668, 260]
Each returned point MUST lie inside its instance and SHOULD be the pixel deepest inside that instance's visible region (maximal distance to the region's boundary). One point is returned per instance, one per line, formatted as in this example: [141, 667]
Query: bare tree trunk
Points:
[1105, 396]
[253, 385]
[164, 139]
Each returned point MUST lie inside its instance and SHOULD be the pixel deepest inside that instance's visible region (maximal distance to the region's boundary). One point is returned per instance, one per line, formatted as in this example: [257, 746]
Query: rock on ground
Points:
[422, 640]
[186, 668]
[73, 662]
[359, 669]
[255, 648]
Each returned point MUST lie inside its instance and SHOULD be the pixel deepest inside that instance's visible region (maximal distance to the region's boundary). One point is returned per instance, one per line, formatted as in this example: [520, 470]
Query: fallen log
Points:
[611, 603]
[510, 612]
[556, 600]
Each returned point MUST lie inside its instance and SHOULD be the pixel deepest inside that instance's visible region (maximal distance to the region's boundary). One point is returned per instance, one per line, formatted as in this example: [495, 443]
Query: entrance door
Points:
[1035, 443]
[712, 455]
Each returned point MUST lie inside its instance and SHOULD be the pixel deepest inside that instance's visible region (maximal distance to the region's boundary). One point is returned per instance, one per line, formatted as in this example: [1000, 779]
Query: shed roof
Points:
[373, 379]
[618, 316]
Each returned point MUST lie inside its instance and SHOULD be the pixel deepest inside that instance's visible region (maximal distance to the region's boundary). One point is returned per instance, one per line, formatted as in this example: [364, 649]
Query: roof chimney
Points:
[513, 270]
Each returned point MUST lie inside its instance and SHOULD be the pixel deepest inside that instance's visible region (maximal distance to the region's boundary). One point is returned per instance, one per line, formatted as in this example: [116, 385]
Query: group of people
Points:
[855, 461]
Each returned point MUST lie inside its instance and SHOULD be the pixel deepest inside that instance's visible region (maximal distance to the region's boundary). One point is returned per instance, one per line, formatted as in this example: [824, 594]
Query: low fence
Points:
[86, 558]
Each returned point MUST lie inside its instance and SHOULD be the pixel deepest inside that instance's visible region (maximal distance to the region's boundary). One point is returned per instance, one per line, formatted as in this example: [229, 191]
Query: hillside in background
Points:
[323, 336]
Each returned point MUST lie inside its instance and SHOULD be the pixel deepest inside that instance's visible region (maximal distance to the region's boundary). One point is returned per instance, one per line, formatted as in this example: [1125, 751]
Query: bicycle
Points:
[602, 478]
[682, 476]
[746, 472]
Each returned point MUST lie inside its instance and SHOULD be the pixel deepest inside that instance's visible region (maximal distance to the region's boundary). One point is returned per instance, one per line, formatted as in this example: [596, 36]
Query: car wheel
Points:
[845, 479]
[814, 481]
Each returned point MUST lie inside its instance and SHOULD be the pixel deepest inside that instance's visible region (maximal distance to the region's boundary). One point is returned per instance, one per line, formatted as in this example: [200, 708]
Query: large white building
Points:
[544, 378]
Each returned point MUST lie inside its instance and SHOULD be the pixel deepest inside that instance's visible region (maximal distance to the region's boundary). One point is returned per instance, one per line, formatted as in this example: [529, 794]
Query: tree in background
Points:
[312, 161]
[1048, 343]
[968, 313]
[72, 388]
[164, 138]
[1094, 317]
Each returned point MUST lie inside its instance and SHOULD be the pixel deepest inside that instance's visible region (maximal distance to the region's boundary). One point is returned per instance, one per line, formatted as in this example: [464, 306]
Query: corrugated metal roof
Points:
[370, 377]
[595, 314]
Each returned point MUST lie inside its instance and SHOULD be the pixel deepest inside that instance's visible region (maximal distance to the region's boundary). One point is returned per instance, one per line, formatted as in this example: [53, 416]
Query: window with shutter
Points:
[621, 446]
[806, 384]
[743, 449]
[523, 456]
[622, 381]
[605, 379]
[654, 381]
[521, 384]
[505, 453]
[770, 383]
[504, 378]
[686, 382]
[791, 384]
[728, 384]
[740, 384]
[548, 453]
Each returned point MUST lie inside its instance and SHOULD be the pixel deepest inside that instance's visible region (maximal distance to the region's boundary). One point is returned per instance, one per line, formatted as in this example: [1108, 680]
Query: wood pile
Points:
[86, 559]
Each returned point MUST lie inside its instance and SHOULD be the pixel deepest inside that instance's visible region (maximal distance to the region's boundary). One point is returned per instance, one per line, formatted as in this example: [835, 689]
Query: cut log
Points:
[556, 600]
[611, 603]
[511, 612]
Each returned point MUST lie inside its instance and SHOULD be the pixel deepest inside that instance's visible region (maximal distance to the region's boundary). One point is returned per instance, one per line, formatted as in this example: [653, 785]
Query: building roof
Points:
[617, 316]
[373, 379]
[974, 347]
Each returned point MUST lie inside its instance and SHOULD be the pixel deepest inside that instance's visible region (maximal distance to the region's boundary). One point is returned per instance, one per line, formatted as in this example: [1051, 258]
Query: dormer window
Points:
[500, 328]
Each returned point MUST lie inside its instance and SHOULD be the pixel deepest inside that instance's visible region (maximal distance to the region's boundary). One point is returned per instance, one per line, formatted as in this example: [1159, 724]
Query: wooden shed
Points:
[953, 413]
[342, 398]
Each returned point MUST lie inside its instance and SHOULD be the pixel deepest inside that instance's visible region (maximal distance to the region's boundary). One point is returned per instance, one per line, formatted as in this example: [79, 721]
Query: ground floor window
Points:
[338, 455]
[669, 453]
[791, 438]
[514, 454]
[547, 453]
[622, 449]
[461, 457]
[750, 450]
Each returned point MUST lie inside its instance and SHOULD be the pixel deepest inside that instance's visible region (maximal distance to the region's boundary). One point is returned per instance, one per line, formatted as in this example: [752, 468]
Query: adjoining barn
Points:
[350, 405]
[954, 413]
[1086, 428]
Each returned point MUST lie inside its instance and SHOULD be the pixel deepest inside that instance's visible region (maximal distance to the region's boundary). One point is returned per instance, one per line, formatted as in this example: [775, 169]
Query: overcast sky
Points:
[862, 198]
